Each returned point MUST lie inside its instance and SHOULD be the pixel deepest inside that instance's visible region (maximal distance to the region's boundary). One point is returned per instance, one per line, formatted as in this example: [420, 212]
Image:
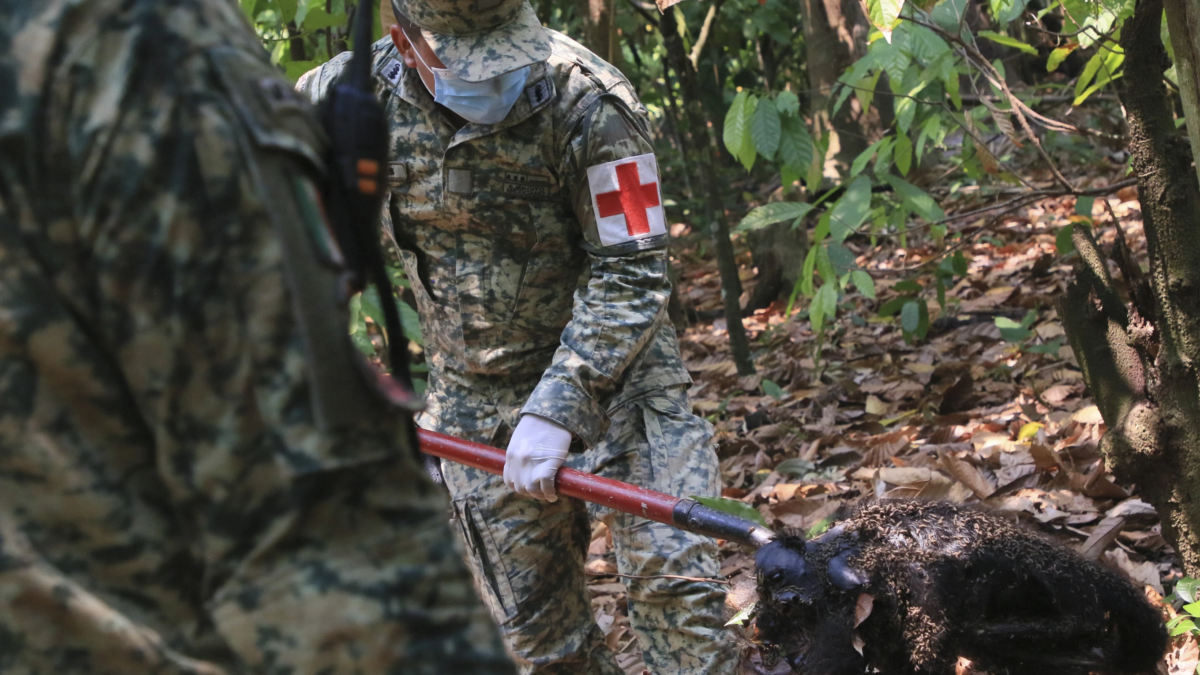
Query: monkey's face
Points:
[784, 577]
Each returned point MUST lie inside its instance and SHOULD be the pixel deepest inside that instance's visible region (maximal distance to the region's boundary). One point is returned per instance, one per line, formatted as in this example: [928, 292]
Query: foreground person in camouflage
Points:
[195, 477]
[526, 208]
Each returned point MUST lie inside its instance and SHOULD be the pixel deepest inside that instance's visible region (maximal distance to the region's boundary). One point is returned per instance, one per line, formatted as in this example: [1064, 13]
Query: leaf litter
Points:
[963, 415]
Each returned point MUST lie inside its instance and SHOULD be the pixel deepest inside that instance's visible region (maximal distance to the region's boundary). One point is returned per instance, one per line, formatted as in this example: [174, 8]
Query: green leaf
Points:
[885, 15]
[1083, 206]
[916, 199]
[1062, 240]
[787, 103]
[903, 153]
[819, 527]
[824, 306]
[864, 283]
[851, 210]
[841, 257]
[795, 468]
[1011, 331]
[248, 8]
[1089, 72]
[765, 128]
[1183, 626]
[771, 389]
[894, 305]
[865, 156]
[1007, 11]
[743, 616]
[318, 18]
[734, 131]
[959, 264]
[287, 9]
[769, 214]
[1192, 608]
[795, 144]
[825, 265]
[908, 286]
[1007, 41]
[748, 151]
[910, 316]
[1057, 57]
[1186, 588]
[733, 508]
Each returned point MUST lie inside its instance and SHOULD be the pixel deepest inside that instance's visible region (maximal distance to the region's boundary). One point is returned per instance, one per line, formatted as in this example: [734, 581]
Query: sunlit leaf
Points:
[1007, 41]
[733, 508]
[776, 212]
[743, 616]
[851, 210]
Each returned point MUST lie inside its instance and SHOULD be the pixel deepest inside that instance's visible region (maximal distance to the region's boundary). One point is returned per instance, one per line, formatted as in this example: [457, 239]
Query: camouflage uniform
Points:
[194, 478]
[526, 310]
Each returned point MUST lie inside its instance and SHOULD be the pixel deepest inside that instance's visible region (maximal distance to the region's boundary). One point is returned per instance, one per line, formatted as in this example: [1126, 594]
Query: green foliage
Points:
[733, 508]
[1185, 623]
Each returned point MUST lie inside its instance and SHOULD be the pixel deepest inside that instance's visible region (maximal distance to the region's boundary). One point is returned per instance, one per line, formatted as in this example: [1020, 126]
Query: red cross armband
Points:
[627, 204]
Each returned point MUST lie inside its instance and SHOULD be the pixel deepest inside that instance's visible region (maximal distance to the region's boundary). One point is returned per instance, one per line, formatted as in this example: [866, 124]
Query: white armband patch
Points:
[627, 200]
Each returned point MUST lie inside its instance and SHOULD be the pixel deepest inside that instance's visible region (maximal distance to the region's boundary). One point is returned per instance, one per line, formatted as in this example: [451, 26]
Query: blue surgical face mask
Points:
[485, 102]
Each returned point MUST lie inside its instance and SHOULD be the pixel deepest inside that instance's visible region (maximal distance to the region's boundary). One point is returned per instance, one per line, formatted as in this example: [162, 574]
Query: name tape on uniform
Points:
[627, 200]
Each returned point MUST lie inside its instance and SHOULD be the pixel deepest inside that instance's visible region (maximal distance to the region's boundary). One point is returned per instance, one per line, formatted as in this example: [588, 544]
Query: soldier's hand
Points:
[537, 449]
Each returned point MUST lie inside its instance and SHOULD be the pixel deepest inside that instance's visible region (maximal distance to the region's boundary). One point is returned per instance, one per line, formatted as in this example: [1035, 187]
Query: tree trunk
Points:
[835, 36]
[1140, 358]
[599, 29]
[1183, 19]
[704, 156]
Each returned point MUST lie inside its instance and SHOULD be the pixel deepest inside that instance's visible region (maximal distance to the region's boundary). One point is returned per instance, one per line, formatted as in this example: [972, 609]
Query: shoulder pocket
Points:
[276, 115]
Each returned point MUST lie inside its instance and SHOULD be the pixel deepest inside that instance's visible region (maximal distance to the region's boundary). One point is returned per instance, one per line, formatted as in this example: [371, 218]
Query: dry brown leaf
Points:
[875, 406]
[858, 643]
[1102, 536]
[1144, 573]
[600, 566]
[862, 608]
[966, 474]
[1183, 657]
[1044, 456]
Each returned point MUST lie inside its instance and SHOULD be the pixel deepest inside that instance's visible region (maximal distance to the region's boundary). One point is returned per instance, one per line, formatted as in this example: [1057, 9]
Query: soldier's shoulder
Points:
[580, 73]
[315, 83]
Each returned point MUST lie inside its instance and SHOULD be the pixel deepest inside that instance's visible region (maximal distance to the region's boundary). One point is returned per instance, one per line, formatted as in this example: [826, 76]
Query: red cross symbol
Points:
[631, 199]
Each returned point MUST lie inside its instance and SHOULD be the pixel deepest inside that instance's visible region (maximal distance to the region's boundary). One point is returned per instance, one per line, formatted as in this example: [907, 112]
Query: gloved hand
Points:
[538, 447]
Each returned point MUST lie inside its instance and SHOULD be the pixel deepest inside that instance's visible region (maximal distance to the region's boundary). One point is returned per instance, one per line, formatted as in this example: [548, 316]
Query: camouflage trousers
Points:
[528, 557]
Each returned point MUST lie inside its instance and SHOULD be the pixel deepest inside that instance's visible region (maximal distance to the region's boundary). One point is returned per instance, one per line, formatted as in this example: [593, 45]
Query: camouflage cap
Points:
[479, 39]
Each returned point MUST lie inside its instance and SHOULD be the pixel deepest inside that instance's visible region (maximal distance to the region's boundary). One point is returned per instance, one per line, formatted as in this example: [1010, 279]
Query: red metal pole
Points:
[614, 494]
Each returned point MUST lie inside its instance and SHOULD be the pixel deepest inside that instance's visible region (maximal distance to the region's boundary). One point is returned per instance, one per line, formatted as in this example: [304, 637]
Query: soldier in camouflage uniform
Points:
[536, 248]
[195, 476]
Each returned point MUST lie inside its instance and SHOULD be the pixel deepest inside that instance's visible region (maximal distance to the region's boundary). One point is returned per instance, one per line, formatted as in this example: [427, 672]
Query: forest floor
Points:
[964, 414]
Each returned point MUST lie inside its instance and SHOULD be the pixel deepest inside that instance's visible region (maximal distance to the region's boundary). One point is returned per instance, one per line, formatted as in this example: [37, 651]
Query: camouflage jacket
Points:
[173, 496]
[514, 279]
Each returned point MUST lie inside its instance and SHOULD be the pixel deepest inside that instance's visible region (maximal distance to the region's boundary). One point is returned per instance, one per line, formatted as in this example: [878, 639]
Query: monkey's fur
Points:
[948, 581]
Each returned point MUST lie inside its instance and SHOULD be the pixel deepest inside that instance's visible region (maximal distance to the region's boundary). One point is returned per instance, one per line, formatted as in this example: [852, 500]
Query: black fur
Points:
[949, 581]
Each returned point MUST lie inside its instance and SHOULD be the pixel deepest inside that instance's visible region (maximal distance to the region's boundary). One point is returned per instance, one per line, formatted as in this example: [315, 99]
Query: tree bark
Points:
[705, 157]
[1183, 21]
[599, 29]
[835, 36]
[1140, 362]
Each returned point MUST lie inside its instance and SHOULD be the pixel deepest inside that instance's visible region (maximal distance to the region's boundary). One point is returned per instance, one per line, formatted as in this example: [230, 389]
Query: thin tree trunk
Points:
[705, 157]
[1140, 359]
[599, 29]
[1183, 20]
[296, 50]
[835, 36]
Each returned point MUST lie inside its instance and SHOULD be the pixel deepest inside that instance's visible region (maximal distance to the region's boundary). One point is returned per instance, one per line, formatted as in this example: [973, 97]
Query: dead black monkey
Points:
[946, 581]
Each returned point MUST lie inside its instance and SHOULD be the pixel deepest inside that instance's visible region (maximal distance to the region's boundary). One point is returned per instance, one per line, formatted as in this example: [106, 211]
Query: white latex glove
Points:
[537, 449]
